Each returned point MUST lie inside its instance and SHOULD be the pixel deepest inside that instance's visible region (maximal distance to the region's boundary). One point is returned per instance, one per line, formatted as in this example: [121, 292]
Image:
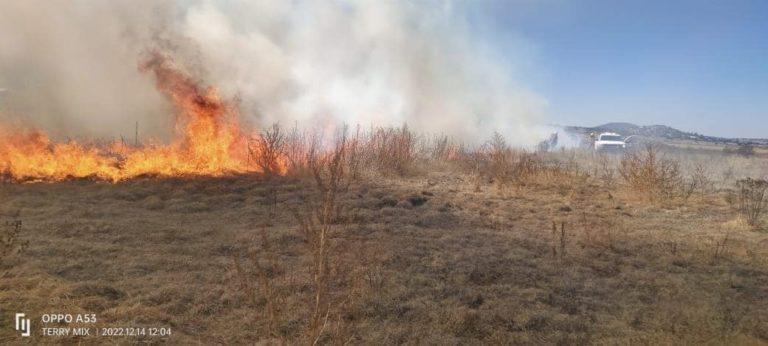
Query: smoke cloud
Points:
[72, 67]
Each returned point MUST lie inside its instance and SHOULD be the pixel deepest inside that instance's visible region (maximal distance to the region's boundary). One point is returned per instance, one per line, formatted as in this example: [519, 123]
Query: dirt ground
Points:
[424, 259]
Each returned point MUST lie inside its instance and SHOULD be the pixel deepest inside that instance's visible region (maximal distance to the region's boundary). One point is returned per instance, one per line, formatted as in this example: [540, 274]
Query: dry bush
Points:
[699, 181]
[650, 174]
[268, 150]
[605, 170]
[499, 160]
[392, 150]
[297, 144]
[381, 150]
[442, 149]
[318, 218]
[490, 162]
[474, 162]
[353, 158]
[752, 199]
[555, 167]
[316, 223]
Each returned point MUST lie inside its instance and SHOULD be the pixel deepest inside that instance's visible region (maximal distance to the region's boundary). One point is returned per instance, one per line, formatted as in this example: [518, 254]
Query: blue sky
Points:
[696, 65]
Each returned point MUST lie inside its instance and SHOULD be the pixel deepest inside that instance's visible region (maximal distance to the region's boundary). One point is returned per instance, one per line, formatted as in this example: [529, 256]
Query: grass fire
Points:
[209, 141]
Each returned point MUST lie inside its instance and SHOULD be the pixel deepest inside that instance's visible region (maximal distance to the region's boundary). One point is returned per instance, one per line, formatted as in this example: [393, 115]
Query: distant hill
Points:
[661, 132]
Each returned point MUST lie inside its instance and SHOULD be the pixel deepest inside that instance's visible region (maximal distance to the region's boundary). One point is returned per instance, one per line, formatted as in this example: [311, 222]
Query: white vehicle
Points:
[609, 141]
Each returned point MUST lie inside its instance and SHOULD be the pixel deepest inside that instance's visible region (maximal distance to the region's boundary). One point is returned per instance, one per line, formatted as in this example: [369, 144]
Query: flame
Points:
[208, 141]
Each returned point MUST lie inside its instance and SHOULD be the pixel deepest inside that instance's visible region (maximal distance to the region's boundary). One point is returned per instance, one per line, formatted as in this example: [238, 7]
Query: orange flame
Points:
[208, 141]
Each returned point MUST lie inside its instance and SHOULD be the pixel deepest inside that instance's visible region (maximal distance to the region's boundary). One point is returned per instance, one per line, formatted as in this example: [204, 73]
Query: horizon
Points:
[652, 125]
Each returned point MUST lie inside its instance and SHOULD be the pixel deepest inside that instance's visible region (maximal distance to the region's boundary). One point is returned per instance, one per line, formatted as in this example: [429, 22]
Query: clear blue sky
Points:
[696, 65]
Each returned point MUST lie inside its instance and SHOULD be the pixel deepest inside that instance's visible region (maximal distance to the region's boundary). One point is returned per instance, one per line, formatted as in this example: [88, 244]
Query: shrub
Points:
[317, 217]
[296, 149]
[474, 162]
[499, 159]
[316, 223]
[497, 162]
[269, 151]
[699, 181]
[650, 174]
[443, 149]
[605, 170]
[393, 149]
[752, 199]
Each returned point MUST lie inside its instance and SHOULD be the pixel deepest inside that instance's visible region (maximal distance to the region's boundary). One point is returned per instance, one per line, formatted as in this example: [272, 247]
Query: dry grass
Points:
[11, 243]
[347, 252]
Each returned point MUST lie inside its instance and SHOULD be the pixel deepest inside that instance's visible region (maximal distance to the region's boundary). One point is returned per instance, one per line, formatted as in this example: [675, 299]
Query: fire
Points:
[208, 140]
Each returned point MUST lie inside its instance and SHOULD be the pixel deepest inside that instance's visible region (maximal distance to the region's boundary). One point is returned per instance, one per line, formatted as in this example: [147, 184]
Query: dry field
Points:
[432, 247]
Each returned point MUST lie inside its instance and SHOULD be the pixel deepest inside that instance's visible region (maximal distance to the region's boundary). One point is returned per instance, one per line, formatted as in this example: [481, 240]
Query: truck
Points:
[609, 141]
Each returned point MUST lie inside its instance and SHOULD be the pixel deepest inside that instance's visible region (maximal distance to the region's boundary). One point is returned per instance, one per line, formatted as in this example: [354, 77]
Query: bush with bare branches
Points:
[499, 160]
[752, 199]
[268, 150]
[650, 174]
[318, 218]
[297, 144]
[316, 222]
[699, 181]
[394, 149]
[442, 149]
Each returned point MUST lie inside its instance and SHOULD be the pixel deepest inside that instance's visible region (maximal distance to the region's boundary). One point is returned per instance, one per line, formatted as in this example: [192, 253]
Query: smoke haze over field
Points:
[72, 67]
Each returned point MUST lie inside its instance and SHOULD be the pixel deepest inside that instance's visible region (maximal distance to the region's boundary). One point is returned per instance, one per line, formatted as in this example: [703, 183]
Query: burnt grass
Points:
[441, 262]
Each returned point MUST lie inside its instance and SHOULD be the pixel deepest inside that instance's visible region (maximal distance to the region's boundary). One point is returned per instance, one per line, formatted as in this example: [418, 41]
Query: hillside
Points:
[661, 132]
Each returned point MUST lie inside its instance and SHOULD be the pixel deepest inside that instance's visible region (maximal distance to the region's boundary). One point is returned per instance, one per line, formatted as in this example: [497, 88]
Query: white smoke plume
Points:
[71, 66]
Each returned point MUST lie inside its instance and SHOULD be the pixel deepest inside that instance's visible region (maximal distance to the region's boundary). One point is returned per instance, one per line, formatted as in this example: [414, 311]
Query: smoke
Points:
[73, 66]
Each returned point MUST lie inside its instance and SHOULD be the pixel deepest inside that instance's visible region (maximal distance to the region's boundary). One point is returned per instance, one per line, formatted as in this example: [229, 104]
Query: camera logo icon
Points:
[24, 325]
